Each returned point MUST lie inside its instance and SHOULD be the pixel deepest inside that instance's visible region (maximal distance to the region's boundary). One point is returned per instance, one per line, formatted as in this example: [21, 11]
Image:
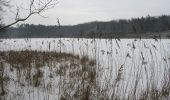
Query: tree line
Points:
[122, 26]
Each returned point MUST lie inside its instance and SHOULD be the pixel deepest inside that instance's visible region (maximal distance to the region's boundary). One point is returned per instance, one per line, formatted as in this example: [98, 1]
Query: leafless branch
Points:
[35, 7]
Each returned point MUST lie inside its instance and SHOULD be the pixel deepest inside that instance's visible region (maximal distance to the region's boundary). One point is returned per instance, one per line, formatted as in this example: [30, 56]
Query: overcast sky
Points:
[71, 12]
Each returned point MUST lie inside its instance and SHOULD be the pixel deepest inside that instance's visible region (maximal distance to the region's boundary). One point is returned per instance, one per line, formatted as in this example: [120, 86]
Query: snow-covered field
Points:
[124, 69]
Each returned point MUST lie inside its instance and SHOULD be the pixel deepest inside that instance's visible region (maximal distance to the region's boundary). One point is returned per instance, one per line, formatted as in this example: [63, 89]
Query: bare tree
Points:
[36, 7]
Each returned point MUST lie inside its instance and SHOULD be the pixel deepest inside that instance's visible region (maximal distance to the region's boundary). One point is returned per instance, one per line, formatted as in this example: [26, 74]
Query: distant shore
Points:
[153, 35]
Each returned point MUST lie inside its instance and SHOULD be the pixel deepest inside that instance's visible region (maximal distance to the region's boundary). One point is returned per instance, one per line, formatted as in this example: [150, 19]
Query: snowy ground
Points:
[120, 64]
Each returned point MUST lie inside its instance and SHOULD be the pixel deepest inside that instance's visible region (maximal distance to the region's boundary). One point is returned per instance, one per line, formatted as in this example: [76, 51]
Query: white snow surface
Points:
[135, 56]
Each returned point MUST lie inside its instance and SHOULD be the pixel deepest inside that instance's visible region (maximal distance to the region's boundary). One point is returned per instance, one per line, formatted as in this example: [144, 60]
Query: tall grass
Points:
[101, 69]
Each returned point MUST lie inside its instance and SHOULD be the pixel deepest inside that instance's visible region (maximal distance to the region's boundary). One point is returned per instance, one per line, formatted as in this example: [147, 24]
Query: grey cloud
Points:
[79, 11]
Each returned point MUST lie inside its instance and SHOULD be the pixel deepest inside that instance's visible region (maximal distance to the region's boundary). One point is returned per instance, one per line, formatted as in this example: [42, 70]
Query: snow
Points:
[138, 59]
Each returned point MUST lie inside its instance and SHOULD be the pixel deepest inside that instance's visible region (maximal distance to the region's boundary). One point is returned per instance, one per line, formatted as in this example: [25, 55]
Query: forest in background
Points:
[123, 28]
